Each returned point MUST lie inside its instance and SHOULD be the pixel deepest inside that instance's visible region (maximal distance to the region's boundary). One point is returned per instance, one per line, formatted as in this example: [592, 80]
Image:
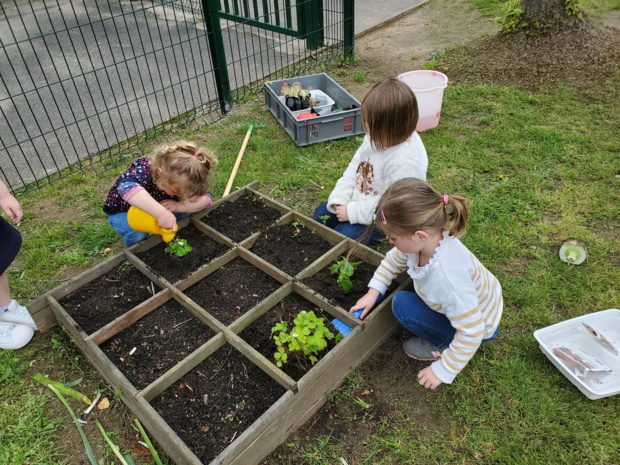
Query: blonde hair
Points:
[411, 205]
[184, 167]
[390, 113]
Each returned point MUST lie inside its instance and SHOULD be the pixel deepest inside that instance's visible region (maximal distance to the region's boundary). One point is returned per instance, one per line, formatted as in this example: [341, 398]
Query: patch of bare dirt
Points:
[580, 55]
[408, 42]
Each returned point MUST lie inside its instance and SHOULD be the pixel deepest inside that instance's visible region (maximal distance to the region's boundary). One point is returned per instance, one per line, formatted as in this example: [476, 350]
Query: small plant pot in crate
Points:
[339, 117]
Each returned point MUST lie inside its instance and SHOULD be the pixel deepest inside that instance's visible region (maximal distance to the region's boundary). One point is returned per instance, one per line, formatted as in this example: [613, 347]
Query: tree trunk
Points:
[544, 11]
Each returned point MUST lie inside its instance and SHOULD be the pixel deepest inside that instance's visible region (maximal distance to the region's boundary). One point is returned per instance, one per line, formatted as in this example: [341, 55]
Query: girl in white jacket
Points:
[391, 150]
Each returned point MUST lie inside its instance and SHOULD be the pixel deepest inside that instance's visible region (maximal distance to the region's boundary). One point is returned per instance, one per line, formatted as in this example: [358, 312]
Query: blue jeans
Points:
[417, 317]
[119, 223]
[354, 231]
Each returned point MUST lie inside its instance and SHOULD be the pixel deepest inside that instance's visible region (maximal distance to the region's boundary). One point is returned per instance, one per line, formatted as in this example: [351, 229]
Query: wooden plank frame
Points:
[301, 399]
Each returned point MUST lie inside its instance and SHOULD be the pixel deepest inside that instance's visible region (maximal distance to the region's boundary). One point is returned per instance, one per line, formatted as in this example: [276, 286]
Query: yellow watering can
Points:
[141, 221]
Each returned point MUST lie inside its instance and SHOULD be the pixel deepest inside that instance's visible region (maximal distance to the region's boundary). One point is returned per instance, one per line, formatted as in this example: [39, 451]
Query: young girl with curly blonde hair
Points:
[170, 184]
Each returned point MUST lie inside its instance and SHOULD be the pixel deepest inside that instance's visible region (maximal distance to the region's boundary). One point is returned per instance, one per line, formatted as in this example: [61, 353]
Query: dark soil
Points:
[217, 401]
[108, 297]
[290, 247]
[175, 268]
[258, 333]
[232, 290]
[162, 339]
[578, 54]
[226, 393]
[239, 219]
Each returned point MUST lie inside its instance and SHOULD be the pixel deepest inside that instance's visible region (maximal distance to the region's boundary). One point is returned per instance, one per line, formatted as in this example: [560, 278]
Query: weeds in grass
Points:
[360, 77]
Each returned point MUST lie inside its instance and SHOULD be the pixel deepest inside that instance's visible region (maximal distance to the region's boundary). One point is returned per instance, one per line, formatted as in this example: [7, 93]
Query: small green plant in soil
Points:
[309, 336]
[297, 224]
[345, 270]
[324, 218]
[179, 247]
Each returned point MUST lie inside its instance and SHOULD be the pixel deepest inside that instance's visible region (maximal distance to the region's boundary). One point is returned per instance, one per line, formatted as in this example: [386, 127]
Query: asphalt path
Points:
[77, 77]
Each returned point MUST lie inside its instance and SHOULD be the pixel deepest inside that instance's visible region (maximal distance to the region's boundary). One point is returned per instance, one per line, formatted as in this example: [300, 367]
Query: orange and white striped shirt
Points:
[456, 284]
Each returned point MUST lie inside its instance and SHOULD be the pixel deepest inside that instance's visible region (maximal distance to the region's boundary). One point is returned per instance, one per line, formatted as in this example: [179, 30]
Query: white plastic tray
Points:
[571, 333]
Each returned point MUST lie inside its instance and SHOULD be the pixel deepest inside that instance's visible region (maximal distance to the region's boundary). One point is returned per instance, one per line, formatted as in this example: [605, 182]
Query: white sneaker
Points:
[18, 314]
[14, 336]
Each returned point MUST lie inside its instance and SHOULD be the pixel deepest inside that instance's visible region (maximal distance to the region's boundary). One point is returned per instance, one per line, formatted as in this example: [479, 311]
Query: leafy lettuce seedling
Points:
[309, 335]
[179, 247]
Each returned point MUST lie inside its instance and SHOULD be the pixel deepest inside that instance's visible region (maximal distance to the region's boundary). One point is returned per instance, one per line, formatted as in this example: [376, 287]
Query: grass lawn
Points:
[538, 167]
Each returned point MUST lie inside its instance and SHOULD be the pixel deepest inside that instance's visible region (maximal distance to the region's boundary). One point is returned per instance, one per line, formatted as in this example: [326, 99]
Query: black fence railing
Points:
[83, 81]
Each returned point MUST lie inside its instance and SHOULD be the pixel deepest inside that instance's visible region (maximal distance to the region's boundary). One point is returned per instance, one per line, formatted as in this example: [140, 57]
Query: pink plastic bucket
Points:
[428, 88]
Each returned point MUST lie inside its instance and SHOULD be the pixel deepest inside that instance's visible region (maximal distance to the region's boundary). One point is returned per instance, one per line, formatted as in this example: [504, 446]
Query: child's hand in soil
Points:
[428, 379]
[366, 303]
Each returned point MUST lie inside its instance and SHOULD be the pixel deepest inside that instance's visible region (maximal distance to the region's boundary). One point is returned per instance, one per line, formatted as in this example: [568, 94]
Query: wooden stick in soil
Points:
[238, 161]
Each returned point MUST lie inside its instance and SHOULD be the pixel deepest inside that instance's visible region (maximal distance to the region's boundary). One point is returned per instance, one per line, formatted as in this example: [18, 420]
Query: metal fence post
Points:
[310, 20]
[349, 28]
[211, 18]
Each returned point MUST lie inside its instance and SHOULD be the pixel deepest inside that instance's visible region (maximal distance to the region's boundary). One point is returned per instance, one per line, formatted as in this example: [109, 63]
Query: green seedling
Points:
[324, 219]
[345, 270]
[309, 336]
[179, 247]
[297, 224]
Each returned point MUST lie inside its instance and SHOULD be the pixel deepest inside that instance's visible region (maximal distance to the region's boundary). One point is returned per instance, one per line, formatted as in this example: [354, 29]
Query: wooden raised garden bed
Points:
[188, 340]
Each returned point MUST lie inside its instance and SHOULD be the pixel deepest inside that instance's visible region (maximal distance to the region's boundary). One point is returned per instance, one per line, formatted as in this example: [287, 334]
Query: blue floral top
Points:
[138, 175]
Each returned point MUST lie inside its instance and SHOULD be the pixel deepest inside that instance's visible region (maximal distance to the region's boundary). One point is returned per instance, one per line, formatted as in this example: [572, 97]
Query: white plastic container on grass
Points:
[596, 339]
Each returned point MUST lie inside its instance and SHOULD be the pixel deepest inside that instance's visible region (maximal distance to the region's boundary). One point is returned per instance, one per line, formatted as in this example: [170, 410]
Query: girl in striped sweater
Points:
[457, 303]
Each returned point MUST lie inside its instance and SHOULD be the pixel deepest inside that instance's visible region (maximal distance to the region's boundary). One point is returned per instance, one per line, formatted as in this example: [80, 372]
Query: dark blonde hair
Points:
[390, 113]
[185, 167]
[411, 205]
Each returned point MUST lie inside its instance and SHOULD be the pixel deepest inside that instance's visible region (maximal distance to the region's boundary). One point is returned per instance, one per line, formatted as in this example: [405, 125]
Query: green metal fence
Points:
[84, 81]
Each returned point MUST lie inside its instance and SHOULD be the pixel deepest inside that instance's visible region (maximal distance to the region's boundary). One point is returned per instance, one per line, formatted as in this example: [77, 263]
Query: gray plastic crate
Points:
[320, 128]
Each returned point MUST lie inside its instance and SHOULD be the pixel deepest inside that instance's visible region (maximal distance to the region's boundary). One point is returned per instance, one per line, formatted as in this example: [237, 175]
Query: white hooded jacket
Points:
[371, 172]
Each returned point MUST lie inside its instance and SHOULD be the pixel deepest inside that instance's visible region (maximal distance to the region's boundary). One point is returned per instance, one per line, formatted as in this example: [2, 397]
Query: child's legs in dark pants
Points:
[9, 247]
[354, 231]
[411, 312]
[11, 243]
